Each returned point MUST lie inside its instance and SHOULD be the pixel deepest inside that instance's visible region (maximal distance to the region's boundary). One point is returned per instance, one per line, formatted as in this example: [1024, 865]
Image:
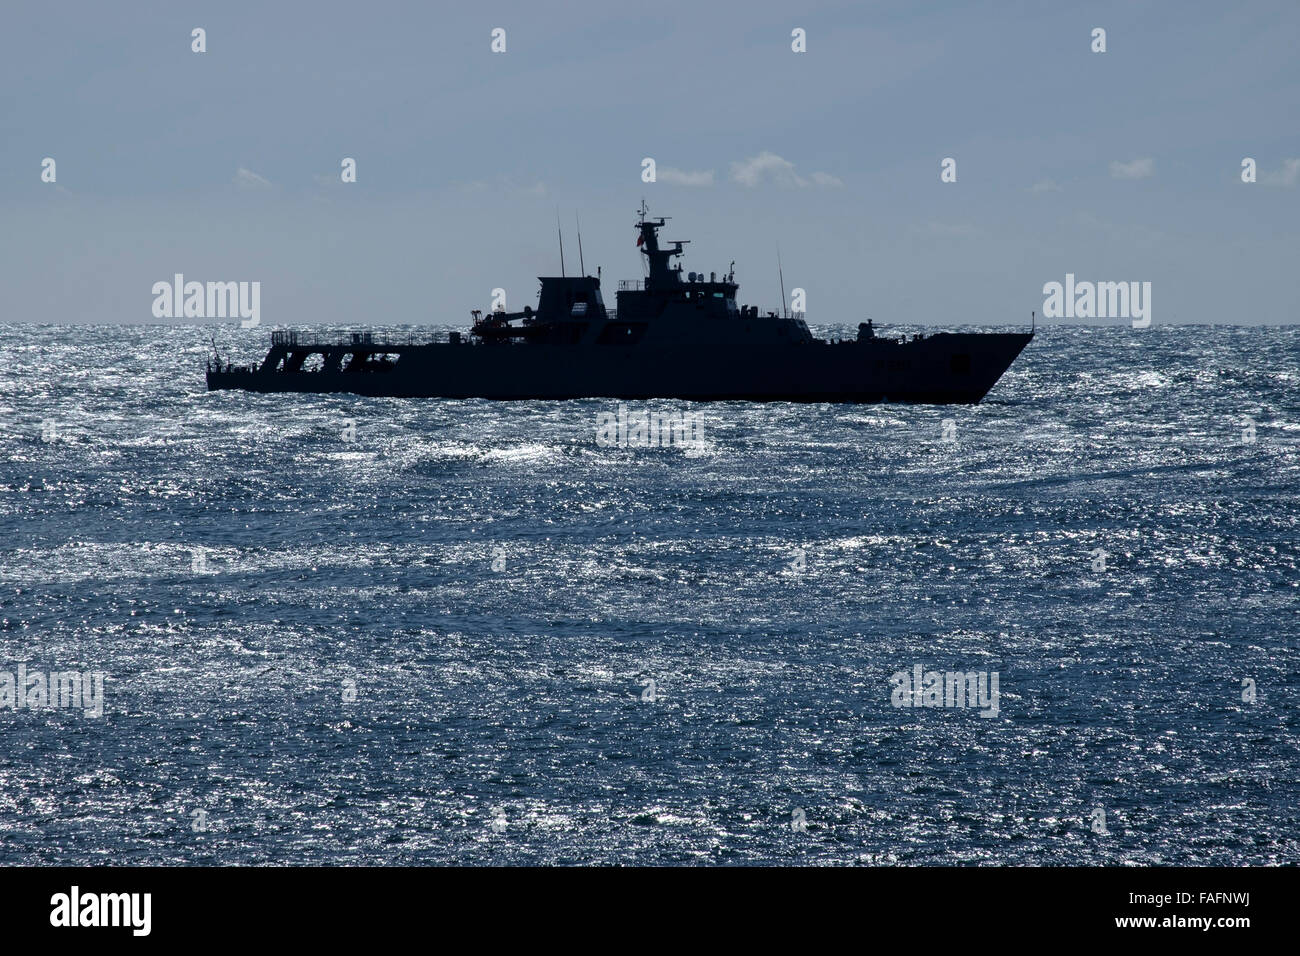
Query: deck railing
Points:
[296, 339]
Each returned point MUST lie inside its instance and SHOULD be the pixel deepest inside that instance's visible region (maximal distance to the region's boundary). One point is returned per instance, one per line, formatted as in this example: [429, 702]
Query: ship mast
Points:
[661, 273]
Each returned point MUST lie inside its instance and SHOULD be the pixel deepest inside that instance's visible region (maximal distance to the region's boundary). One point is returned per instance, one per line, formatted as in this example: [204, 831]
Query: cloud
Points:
[1137, 169]
[767, 166]
[1045, 186]
[681, 177]
[752, 171]
[247, 179]
[1288, 175]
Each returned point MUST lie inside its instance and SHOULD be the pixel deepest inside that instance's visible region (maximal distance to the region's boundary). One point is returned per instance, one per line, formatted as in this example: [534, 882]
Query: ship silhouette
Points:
[670, 336]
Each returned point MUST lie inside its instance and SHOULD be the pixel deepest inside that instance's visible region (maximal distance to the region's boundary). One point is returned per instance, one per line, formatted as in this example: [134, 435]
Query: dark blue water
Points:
[499, 715]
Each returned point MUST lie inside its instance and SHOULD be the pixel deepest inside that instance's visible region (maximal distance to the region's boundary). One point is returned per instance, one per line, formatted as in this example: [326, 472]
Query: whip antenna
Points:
[780, 273]
[582, 267]
[561, 235]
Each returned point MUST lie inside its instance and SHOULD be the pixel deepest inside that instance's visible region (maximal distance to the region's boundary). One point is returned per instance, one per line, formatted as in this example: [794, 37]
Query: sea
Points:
[333, 630]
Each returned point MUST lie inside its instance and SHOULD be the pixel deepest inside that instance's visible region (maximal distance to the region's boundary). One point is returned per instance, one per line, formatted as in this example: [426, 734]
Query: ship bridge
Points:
[664, 282]
[665, 309]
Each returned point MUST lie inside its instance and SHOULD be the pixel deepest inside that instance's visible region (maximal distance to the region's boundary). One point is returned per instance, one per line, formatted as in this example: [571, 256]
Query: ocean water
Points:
[467, 633]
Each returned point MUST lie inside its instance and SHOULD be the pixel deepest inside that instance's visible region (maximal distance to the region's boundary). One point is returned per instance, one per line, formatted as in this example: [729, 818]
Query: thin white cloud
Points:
[682, 177]
[1287, 176]
[247, 179]
[769, 167]
[1045, 186]
[1137, 169]
[753, 171]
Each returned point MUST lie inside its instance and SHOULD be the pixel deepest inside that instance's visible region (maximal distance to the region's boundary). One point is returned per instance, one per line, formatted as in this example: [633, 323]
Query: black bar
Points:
[936, 909]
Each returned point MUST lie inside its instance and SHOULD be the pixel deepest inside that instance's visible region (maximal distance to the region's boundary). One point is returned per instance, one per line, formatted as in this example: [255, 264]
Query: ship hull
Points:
[945, 368]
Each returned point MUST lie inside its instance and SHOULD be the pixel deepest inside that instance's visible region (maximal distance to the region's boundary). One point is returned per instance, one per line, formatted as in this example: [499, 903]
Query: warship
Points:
[669, 336]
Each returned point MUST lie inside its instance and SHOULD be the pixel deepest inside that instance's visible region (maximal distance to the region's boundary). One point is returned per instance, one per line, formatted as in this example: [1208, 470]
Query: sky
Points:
[225, 165]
